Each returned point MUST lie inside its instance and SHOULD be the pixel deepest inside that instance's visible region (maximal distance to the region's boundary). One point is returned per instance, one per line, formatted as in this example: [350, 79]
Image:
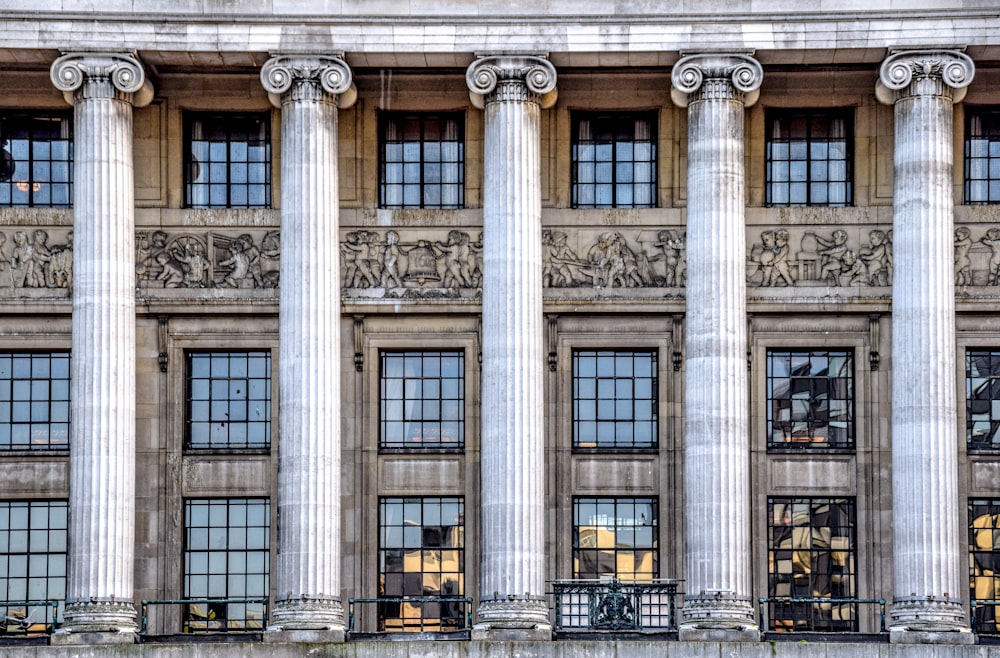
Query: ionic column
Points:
[103, 88]
[308, 89]
[512, 90]
[716, 88]
[926, 515]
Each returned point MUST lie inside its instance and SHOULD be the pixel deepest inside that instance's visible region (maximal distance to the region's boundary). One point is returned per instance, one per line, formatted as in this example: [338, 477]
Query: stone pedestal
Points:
[716, 88]
[307, 577]
[926, 516]
[102, 87]
[512, 90]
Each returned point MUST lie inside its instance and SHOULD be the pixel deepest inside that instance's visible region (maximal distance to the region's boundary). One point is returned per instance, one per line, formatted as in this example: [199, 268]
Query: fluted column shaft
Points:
[307, 578]
[512, 571]
[99, 589]
[927, 564]
[716, 467]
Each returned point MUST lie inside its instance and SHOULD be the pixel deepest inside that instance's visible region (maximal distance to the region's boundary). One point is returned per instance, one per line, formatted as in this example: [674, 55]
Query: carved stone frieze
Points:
[820, 259]
[28, 260]
[206, 260]
[645, 258]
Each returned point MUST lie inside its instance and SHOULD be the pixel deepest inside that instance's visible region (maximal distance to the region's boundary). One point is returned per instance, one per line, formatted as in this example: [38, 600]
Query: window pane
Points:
[810, 399]
[225, 409]
[34, 400]
[811, 150]
[32, 559]
[432, 148]
[424, 386]
[228, 161]
[618, 151]
[605, 533]
[618, 389]
[37, 151]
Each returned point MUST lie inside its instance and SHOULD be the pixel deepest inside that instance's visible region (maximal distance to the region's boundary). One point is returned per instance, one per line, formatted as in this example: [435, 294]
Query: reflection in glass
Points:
[615, 537]
[982, 399]
[984, 562]
[810, 399]
[811, 554]
[32, 558]
[430, 563]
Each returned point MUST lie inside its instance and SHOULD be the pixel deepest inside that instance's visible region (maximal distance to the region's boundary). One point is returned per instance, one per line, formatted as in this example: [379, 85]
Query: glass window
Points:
[32, 561]
[811, 550]
[614, 160]
[36, 160]
[809, 158]
[228, 161]
[229, 400]
[226, 556]
[982, 155]
[614, 399]
[984, 563]
[422, 400]
[982, 399]
[810, 399]
[421, 554]
[615, 537]
[34, 400]
[422, 160]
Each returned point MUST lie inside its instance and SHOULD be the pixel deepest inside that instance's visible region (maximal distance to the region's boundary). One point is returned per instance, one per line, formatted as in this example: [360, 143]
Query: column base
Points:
[323, 615]
[104, 617]
[929, 620]
[513, 619]
[63, 638]
[720, 617]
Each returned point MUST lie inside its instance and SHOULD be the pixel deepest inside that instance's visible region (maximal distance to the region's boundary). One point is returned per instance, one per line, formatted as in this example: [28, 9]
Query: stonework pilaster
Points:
[927, 566]
[716, 88]
[512, 573]
[103, 87]
[307, 577]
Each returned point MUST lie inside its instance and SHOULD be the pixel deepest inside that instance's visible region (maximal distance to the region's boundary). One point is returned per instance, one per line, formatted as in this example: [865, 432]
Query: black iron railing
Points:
[212, 615]
[821, 614]
[613, 605]
[29, 617]
[411, 614]
[985, 616]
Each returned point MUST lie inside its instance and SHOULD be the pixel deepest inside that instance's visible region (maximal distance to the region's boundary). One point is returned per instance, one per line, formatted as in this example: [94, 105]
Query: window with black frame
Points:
[615, 399]
[228, 160]
[615, 537]
[422, 399]
[421, 160]
[810, 399]
[614, 159]
[982, 399]
[982, 155]
[984, 564]
[811, 554]
[228, 400]
[32, 563]
[421, 555]
[809, 156]
[226, 556]
[34, 400]
[36, 159]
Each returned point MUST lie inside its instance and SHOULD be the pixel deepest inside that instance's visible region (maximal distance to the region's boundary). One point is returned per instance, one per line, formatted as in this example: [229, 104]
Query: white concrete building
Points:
[670, 327]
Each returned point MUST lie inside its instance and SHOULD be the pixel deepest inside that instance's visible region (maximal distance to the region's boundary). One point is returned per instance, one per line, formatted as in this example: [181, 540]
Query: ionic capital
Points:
[740, 74]
[122, 72]
[298, 77]
[924, 72]
[526, 78]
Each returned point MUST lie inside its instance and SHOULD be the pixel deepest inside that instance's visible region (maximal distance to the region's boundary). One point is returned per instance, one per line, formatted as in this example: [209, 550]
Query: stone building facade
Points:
[320, 305]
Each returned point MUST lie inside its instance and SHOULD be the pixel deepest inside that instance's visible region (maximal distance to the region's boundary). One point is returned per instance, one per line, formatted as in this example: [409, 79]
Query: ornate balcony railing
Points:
[985, 616]
[821, 614]
[29, 617]
[613, 605]
[410, 614]
[208, 615]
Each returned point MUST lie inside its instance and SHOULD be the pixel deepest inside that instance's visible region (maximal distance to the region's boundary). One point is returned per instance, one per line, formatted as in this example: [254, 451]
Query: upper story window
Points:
[229, 400]
[421, 160]
[227, 555]
[809, 158]
[615, 399]
[614, 160]
[32, 561]
[422, 399]
[36, 160]
[811, 552]
[228, 161]
[982, 399]
[615, 537]
[34, 400]
[984, 563]
[421, 554]
[810, 399]
[982, 155]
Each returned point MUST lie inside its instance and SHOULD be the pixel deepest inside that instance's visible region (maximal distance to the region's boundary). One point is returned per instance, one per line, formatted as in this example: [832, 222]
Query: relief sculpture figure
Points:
[963, 264]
